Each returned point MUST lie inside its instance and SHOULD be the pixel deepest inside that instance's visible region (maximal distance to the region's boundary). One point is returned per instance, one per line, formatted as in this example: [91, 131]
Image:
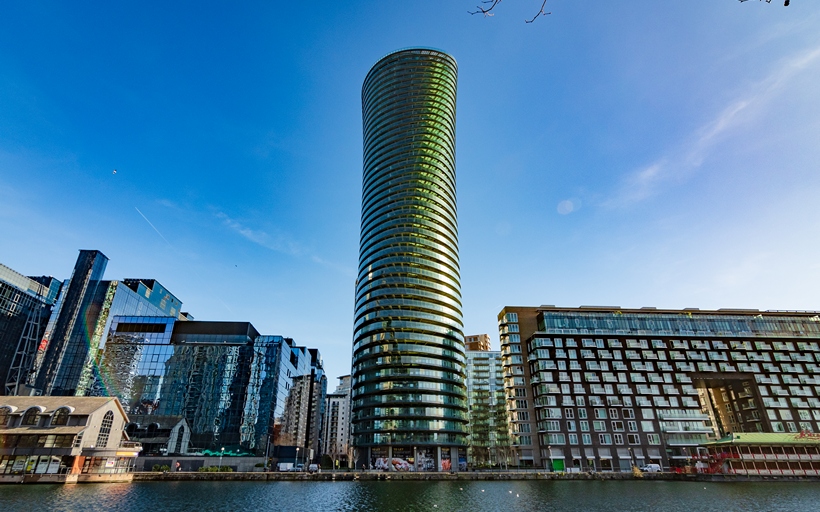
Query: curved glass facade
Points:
[408, 352]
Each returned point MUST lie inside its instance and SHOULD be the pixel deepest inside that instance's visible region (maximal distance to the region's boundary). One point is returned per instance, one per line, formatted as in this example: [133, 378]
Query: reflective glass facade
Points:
[229, 383]
[408, 354]
[71, 322]
[25, 306]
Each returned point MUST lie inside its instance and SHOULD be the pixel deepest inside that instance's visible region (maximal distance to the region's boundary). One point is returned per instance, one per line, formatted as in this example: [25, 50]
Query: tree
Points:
[489, 5]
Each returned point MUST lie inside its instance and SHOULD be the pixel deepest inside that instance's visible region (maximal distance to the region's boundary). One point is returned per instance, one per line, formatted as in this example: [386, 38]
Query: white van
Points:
[651, 468]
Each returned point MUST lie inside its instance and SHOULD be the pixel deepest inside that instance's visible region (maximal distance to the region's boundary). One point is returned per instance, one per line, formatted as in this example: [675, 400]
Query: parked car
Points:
[313, 468]
[299, 467]
[651, 468]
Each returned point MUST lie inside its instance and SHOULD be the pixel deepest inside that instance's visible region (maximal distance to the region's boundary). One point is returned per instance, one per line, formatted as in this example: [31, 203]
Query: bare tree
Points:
[487, 11]
[489, 5]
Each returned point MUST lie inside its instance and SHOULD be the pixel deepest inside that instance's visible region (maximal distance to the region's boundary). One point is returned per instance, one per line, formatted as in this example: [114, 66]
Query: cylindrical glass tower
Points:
[409, 394]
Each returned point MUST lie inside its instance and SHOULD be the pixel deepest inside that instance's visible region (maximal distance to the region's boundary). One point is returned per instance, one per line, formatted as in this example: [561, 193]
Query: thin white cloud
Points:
[280, 242]
[689, 156]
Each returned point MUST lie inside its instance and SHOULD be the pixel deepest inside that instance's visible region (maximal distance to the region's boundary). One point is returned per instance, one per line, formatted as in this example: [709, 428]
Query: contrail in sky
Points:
[172, 247]
[155, 228]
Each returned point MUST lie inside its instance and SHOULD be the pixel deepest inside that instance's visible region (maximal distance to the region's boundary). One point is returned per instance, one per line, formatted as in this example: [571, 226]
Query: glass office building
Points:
[409, 398]
[25, 306]
[229, 383]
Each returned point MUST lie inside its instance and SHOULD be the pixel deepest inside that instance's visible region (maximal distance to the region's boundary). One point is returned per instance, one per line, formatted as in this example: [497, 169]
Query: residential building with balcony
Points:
[337, 443]
[605, 388]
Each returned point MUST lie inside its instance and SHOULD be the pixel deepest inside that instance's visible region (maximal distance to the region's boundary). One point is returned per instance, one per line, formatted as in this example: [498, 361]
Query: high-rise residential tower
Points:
[409, 398]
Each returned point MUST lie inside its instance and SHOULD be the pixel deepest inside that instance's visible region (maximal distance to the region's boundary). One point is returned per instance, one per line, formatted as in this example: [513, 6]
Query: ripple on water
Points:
[414, 496]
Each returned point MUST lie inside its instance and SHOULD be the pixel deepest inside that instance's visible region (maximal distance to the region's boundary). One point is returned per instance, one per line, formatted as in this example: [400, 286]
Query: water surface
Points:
[583, 496]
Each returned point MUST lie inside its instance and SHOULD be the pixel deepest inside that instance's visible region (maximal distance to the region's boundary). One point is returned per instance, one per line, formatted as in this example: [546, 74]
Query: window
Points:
[653, 438]
[523, 416]
[573, 439]
[633, 426]
[599, 426]
[647, 426]
[580, 402]
[552, 426]
[605, 439]
[570, 414]
[570, 426]
[105, 430]
[586, 438]
[556, 439]
[524, 440]
[512, 317]
[633, 438]
[618, 426]
[613, 414]
[619, 438]
[524, 427]
[600, 414]
[582, 413]
[60, 417]
[30, 416]
[584, 426]
[520, 404]
[629, 414]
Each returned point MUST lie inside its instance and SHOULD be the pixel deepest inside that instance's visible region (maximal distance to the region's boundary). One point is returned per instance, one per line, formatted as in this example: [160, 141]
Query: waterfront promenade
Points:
[341, 476]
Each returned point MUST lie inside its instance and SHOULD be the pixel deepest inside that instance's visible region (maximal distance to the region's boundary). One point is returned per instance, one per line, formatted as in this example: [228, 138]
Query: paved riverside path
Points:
[329, 476]
[342, 476]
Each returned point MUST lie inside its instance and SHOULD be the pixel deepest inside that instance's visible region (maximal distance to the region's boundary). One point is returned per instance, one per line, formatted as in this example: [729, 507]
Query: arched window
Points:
[4, 416]
[105, 430]
[30, 417]
[60, 417]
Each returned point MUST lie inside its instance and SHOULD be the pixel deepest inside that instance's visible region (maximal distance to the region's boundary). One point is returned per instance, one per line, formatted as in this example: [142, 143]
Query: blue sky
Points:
[637, 153]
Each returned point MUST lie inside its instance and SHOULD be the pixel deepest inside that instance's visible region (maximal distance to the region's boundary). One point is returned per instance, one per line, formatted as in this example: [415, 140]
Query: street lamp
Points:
[631, 458]
[550, 450]
[296, 459]
[221, 453]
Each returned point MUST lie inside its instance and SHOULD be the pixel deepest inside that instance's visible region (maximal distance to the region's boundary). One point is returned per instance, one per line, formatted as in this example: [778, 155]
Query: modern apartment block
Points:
[477, 342]
[337, 425]
[409, 398]
[603, 387]
[25, 307]
[490, 440]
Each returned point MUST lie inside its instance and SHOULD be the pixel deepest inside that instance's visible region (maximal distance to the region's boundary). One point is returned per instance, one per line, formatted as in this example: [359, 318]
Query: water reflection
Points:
[414, 496]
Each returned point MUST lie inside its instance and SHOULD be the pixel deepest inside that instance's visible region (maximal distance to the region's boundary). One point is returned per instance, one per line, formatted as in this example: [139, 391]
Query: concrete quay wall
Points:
[465, 476]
